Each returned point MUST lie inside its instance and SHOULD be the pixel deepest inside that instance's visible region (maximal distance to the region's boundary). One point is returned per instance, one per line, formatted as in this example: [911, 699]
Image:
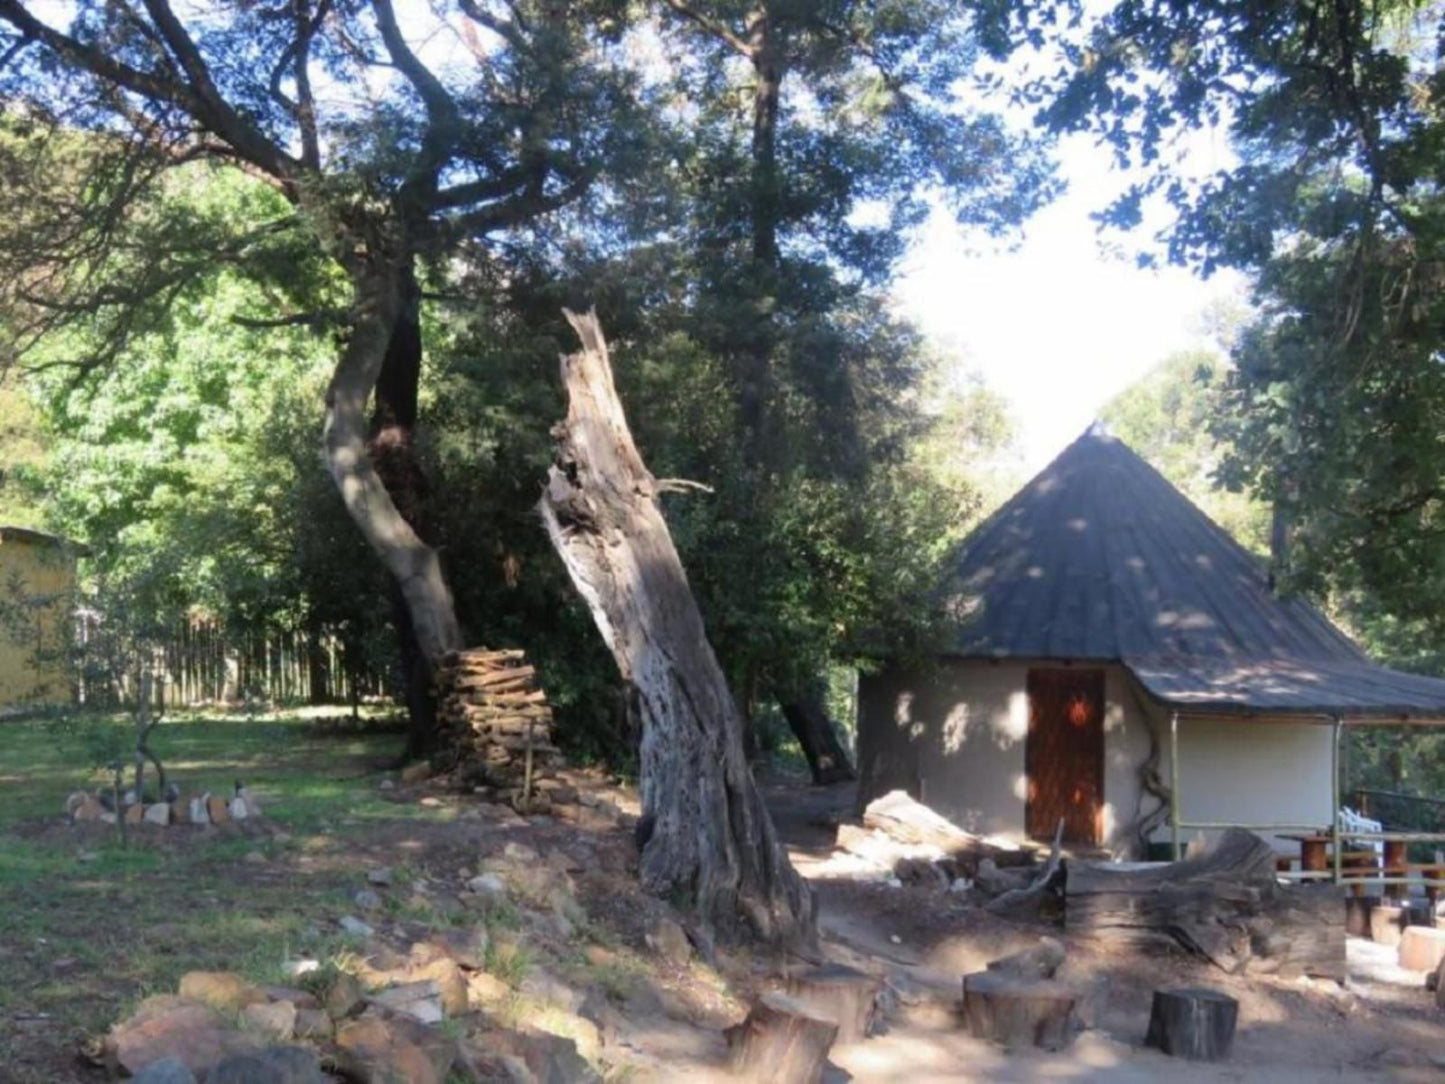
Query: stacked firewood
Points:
[498, 721]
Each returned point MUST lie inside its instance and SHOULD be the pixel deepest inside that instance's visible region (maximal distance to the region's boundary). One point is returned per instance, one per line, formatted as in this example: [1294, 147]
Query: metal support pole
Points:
[1174, 781]
[1335, 792]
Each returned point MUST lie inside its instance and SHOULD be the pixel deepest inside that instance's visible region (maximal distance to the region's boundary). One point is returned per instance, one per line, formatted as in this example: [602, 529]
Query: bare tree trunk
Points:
[807, 716]
[377, 305]
[705, 831]
[393, 451]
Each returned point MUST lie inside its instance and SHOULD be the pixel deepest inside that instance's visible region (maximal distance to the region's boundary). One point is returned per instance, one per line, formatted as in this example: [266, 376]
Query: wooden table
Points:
[1314, 851]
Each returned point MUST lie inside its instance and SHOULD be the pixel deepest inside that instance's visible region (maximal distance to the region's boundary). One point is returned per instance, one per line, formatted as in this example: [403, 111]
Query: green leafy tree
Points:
[383, 159]
[1167, 417]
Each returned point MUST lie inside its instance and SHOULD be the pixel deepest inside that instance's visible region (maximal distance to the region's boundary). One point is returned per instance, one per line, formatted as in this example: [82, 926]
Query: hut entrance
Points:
[1064, 756]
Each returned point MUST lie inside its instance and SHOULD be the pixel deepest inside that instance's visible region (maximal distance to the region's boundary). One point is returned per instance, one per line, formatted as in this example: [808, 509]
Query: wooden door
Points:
[1064, 755]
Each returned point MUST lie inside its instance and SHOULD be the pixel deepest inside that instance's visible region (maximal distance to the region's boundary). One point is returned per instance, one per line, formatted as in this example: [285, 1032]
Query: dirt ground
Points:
[1381, 1026]
[665, 1022]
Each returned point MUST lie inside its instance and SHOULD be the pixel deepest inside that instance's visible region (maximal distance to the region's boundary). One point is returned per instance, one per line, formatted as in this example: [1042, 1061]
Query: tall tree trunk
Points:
[318, 663]
[704, 831]
[393, 451]
[807, 716]
[378, 303]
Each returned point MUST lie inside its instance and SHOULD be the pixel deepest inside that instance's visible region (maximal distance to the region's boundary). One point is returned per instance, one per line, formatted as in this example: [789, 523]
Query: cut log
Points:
[782, 1041]
[840, 993]
[1386, 922]
[1224, 904]
[1040, 962]
[1421, 948]
[705, 832]
[1019, 1012]
[1197, 1024]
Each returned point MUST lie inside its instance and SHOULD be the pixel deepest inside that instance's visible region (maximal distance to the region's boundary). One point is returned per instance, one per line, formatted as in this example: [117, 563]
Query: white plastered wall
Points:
[953, 736]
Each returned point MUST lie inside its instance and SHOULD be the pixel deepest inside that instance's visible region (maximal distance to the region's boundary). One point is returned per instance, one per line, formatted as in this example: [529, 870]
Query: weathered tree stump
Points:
[1386, 922]
[1197, 1024]
[841, 993]
[1019, 1011]
[1421, 948]
[1039, 962]
[783, 1041]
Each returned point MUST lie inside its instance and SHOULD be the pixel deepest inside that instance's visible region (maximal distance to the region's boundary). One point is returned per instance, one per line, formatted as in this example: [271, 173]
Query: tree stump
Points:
[1197, 1024]
[1421, 948]
[840, 993]
[783, 1041]
[1386, 921]
[1039, 962]
[1357, 915]
[1017, 1011]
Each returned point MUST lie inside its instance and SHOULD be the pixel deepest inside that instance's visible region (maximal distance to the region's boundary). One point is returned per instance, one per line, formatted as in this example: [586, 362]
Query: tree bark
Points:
[1197, 1024]
[782, 1041]
[827, 759]
[710, 837]
[393, 451]
[377, 304]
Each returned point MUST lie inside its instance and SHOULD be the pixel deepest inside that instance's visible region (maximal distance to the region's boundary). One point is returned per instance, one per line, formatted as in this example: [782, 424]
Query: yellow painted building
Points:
[37, 604]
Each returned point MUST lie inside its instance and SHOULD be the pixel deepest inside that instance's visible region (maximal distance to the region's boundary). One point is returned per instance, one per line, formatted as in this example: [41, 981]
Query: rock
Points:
[430, 803]
[352, 925]
[253, 808]
[278, 1065]
[386, 784]
[276, 1019]
[237, 809]
[294, 968]
[89, 809]
[382, 1049]
[314, 1024]
[135, 814]
[489, 888]
[669, 939]
[467, 947]
[380, 876]
[560, 793]
[366, 899]
[74, 801]
[216, 810]
[255, 858]
[222, 990]
[551, 1059]
[451, 984]
[542, 985]
[165, 1071]
[160, 813]
[519, 852]
[419, 1000]
[302, 999]
[199, 812]
[344, 996]
[416, 773]
[167, 1026]
[485, 990]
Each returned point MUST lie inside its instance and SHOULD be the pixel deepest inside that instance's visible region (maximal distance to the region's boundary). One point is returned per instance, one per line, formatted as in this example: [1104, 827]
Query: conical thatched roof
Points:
[1100, 558]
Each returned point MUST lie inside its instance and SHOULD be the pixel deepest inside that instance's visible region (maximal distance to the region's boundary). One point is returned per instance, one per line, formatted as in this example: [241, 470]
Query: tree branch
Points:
[712, 26]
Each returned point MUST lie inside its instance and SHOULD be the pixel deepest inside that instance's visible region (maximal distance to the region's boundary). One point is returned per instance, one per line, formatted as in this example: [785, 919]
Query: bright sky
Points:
[1057, 326]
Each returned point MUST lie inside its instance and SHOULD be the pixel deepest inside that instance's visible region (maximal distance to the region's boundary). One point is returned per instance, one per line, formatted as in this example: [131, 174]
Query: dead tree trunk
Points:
[1223, 904]
[710, 836]
[827, 759]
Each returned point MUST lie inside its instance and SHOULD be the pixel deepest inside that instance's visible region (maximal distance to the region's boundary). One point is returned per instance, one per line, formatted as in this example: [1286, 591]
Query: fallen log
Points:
[783, 1041]
[1224, 904]
[1027, 902]
[904, 819]
[1197, 1024]
[1019, 1012]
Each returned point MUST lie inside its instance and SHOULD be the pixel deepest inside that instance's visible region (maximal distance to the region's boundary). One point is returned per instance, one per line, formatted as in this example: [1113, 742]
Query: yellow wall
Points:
[37, 581]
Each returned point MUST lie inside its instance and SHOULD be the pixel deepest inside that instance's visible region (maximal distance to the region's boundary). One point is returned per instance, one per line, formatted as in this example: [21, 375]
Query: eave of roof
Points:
[41, 538]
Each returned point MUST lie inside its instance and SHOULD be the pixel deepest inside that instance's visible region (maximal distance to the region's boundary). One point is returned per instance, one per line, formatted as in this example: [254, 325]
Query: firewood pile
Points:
[492, 712]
